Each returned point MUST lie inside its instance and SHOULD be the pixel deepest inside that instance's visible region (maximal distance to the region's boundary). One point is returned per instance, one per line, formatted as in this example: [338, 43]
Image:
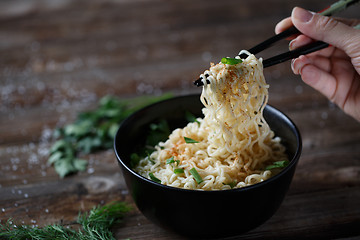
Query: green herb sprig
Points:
[92, 131]
[95, 225]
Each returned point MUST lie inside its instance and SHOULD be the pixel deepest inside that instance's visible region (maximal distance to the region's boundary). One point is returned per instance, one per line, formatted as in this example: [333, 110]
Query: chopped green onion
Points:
[278, 164]
[189, 140]
[196, 175]
[231, 61]
[172, 160]
[178, 170]
[155, 179]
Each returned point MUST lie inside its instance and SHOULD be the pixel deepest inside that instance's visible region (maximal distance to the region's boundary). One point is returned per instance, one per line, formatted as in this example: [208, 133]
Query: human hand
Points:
[334, 71]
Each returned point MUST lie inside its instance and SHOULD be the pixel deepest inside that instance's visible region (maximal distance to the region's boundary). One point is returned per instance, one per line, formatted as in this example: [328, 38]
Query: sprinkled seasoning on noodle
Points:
[232, 144]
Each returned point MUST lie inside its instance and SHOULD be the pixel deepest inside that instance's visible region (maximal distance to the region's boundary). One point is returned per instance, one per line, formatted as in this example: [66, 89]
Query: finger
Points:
[326, 52]
[283, 25]
[351, 106]
[299, 41]
[303, 40]
[298, 63]
[330, 52]
[321, 62]
[287, 23]
[320, 80]
[346, 71]
[336, 90]
[349, 22]
[328, 30]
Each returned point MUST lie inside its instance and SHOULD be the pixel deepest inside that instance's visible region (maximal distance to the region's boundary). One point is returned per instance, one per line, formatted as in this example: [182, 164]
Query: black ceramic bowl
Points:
[203, 213]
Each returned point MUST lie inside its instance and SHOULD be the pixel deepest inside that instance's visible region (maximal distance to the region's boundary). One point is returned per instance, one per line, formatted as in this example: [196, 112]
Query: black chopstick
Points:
[270, 41]
[309, 48]
[306, 49]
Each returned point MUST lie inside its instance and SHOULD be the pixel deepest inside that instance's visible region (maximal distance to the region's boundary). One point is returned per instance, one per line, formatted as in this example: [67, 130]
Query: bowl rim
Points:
[293, 161]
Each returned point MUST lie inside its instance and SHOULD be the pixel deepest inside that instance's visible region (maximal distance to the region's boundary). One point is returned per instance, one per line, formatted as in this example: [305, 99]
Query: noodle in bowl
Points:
[234, 143]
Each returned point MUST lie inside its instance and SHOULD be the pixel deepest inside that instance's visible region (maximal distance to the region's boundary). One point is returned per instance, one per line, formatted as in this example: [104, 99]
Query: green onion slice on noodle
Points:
[155, 179]
[178, 170]
[231, 61]
[196, 175]
[172, 160]
[190, 140]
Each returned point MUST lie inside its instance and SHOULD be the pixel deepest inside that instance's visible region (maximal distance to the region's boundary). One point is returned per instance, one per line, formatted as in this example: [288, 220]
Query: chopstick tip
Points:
[198, 83]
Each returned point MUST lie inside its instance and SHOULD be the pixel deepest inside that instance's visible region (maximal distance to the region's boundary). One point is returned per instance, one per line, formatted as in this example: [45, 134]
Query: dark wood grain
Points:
[57, 58]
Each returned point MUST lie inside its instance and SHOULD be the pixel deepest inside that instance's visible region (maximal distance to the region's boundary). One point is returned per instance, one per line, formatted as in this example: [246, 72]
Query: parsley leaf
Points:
[93, 131]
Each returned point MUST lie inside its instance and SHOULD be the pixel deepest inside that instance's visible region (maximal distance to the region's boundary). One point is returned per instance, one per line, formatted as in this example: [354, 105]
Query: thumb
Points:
[328, 30]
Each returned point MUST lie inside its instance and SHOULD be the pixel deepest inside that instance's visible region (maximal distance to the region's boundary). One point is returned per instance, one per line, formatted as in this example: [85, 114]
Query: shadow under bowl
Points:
[219, 213]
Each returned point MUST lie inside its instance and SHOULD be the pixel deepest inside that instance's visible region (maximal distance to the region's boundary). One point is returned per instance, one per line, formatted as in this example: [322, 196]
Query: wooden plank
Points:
[59, 57]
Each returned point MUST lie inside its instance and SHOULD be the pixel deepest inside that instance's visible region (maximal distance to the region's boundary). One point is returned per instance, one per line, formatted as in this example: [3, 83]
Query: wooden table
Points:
[57, 58]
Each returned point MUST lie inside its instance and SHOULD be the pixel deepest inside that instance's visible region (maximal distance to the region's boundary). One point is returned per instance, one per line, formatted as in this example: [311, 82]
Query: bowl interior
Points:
[260, 200]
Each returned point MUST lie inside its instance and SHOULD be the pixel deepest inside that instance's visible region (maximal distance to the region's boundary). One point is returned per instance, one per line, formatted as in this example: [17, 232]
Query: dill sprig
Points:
[24, 232]
[95, 225]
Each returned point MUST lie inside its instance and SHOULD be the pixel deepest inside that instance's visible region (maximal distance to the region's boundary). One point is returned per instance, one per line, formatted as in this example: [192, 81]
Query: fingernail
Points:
[291, 45]
[292, 65]
[302, 14]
